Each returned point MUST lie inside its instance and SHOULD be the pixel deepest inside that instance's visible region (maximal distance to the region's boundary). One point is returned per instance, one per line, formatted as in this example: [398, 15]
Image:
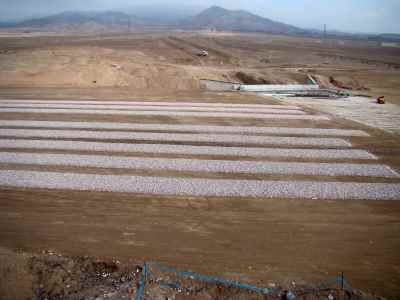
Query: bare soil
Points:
[159, 63]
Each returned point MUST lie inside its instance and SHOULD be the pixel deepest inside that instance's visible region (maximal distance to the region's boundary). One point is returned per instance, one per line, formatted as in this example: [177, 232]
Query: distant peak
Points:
[221, 19]
[216, 8]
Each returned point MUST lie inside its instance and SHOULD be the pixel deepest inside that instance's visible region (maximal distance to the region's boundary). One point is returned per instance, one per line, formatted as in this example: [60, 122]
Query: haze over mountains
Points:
[154, 17]
[78, 21]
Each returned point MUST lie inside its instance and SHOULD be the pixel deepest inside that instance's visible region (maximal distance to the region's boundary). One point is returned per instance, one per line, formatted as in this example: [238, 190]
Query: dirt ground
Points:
[258, 241]
[158, 63]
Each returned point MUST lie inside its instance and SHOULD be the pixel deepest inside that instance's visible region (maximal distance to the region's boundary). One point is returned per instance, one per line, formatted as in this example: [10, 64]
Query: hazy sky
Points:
[346, 15]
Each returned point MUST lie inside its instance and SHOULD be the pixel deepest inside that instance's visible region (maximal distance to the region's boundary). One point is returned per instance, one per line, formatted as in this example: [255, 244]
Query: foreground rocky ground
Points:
[50, 275]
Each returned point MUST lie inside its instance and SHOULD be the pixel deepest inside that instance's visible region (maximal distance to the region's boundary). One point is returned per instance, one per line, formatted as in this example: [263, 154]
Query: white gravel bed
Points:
[201, 187]
[199, 165]
[359, 109]
[184, 127]
[188, 150]
[176, 137]
[157, 108]
[158, 103]
[164, 113]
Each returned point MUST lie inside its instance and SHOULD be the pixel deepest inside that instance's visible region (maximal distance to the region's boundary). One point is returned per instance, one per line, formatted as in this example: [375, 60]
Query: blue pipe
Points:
[211, 279]
[140, 291]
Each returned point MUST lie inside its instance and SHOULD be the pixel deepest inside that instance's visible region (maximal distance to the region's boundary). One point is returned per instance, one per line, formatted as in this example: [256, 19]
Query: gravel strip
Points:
[165, 113]
[157, 108]
[199, 165]
[176, 137]
[188, 150]
[158, 103]
[201, 187]
[184, 127]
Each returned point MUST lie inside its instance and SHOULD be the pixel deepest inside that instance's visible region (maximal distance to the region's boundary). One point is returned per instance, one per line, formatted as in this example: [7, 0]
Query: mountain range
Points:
[216, 18]
[147, 18]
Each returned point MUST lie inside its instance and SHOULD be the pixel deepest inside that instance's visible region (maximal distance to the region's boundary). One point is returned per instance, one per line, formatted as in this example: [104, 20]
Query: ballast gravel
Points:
[158, 103]
[201, 187]
[164, 113]
[175, 137]
[156, 108]
[188, 150]
[199, 165]
[185, 127]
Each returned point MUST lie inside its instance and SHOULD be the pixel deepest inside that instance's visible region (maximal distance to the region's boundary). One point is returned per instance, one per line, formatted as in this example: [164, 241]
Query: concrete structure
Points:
[217, 85]
[279, 88]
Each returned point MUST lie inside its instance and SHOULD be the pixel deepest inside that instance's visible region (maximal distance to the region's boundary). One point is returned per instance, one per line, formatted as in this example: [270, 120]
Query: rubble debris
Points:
[54, 276]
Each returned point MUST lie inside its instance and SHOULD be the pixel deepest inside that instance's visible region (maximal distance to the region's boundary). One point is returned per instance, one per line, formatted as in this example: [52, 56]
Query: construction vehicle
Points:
[202, 53]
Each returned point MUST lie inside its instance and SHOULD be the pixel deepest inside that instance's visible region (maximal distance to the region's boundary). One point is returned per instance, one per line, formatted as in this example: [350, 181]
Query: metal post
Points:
[342, 281]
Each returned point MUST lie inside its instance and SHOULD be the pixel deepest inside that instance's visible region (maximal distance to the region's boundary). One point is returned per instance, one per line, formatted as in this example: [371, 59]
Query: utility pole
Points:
[324, 32]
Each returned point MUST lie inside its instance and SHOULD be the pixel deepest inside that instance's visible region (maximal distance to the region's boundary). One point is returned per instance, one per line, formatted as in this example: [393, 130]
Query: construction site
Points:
[198, 165]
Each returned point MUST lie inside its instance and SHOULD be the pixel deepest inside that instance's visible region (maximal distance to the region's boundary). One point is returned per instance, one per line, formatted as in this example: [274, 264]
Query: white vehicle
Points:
[202, 53]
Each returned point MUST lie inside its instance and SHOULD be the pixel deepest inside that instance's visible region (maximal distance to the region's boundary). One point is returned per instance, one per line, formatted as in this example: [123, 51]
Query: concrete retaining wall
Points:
[280, 88]
[216, 85]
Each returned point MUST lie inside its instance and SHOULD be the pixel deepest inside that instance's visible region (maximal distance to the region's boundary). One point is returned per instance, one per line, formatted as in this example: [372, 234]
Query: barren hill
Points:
[222, 19]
